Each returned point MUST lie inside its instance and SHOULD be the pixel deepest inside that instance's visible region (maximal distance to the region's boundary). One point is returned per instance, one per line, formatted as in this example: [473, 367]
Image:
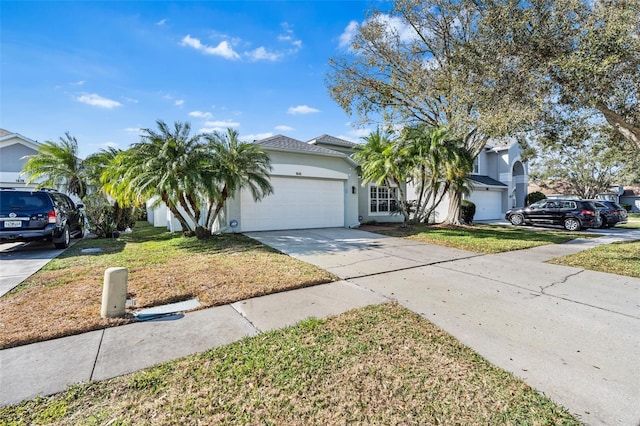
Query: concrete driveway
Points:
[18, 261]
[572, 334]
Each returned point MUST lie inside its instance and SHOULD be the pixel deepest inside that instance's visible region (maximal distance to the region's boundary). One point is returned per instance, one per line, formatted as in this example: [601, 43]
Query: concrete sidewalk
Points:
[570, 333]
[48, 367]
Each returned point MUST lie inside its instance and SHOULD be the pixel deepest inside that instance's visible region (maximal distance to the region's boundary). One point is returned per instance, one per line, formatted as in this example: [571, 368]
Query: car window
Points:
[60, 200]
[600, 205]
[538, 205]
[23, 200]
[569, 205]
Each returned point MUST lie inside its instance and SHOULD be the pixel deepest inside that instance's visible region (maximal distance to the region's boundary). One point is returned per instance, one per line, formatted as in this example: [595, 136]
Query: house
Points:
[316, 184]
[631, 196]
[375, 203]
[13, 149]
[498, 182]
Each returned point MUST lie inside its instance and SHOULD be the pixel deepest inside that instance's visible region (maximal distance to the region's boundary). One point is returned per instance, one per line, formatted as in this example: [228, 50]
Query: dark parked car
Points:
[610, 213]
[572, 214]
[45, 215]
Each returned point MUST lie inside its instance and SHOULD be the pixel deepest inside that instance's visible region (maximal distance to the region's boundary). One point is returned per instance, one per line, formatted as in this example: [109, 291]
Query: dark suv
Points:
[45, 215]
[572, 214]
[610, 213]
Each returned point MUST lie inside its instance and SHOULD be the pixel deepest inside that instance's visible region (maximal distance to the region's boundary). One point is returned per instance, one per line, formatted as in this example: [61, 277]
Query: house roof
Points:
[284, 143]
[332, 140]
[9, 138]
[486, 180]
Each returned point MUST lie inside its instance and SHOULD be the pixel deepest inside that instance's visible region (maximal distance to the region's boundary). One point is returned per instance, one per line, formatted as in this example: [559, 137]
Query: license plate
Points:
[12, 223]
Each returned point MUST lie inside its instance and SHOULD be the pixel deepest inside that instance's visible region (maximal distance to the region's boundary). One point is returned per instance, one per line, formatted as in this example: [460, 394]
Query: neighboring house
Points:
[631, 195]
[13, 149]
[498, 182]
[616, 193]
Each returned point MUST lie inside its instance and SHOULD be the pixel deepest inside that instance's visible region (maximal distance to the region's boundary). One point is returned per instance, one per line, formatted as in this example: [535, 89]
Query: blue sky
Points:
[104, 70]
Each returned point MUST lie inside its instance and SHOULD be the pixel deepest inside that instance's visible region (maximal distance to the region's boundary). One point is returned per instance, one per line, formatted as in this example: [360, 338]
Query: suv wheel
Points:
[571, 224]
[63, 243]
[517, 219]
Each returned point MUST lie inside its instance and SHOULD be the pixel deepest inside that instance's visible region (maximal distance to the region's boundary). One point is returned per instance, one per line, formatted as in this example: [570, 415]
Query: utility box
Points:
[114, 293]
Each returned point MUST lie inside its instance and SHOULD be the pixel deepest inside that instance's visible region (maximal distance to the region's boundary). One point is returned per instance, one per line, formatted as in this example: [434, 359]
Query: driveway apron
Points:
[572, 334]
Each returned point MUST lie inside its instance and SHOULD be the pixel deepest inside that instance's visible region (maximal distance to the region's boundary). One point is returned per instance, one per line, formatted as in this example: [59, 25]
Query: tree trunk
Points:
[186, 230]
[627, 130]
[455, 200]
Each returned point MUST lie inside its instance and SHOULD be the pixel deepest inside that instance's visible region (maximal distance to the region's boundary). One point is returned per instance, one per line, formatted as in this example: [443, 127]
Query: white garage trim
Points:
[306, 171]
[296, 203]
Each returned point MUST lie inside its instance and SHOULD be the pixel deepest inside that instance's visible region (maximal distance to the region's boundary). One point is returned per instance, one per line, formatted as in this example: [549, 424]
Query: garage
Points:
[296, 203]
[488, 203]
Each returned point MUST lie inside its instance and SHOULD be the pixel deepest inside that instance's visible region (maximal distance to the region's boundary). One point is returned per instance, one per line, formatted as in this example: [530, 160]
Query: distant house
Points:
[617, 193]
[13, 149]
[631, 195]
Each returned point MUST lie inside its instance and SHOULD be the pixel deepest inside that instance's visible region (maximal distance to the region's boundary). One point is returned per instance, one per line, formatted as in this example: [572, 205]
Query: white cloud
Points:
[179, 102]
[136, 130]
[261, 53]
[222, 123]
[348, 34]
[302, 109]
[360, 133]
[218, 126]
[284, 128]
[200, 114]
[392, 23]
[78, 83]
[131, 100]
[161, 22]
[223, 49]
[397, 25]
[94, 99]
[256, 136]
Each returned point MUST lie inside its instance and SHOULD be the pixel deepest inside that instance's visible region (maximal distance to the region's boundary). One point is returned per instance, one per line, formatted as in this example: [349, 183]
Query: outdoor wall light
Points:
[353, 189]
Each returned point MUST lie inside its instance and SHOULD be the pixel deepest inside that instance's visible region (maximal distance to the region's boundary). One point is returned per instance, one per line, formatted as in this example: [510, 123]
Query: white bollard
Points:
[114, 292]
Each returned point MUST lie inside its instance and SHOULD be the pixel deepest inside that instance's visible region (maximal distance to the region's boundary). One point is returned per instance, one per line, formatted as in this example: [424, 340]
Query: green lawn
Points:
[618, 258]
[486, 238]
[377, 365]
[633, 222]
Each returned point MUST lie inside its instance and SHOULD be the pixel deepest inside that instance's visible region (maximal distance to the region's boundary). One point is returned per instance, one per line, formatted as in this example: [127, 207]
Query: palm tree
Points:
[457, 166]
[440, 164]
[166, 164]
[425, 149]
[384, 163]
[57, 165]
[235, 165]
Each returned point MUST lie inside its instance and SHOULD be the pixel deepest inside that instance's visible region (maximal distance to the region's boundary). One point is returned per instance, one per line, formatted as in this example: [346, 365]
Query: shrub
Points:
[467, 211]
[534, 197]
[626, 206]
[104, 219]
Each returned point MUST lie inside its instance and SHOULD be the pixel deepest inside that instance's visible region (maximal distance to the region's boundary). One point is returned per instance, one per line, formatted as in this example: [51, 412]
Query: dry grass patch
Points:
[377, 365]
[64, 297]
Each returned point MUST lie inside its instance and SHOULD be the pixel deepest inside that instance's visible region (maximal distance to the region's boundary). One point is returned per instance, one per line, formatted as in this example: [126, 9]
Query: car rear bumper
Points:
[29, 234]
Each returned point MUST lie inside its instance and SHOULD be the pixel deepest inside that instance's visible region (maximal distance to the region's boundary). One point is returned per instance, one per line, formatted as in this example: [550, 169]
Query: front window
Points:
[476, 166]
[382, 199]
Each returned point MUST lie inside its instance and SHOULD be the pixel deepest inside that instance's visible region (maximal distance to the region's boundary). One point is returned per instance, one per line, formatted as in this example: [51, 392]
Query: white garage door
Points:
[296, 203]
[488, 204]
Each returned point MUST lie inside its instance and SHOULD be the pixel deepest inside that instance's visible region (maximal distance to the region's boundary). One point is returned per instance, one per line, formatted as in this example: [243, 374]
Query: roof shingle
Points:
[284, 143]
